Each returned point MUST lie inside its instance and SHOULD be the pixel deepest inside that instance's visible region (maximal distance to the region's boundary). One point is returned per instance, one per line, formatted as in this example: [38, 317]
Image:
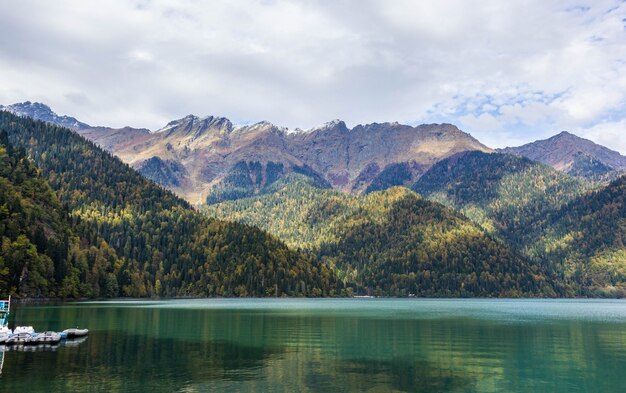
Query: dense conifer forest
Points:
[506, 194]
[391, 242]
[514, 213]
[101, 229]
[587, 239]
[577, 232]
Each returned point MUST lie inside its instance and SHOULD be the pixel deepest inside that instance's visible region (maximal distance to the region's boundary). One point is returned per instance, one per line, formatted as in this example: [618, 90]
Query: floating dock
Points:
[27, 336]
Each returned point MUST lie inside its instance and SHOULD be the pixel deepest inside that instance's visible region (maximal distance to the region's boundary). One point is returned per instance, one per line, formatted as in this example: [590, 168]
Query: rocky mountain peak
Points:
[261, 127]
[262, 124]
[191, 117]
[444, 128]
[40, 111]
[348, 159]
[28, 107]
[333, 125]
[573, 154]
[176, 123]
[565, 135]
[197, 125]
[220, 123]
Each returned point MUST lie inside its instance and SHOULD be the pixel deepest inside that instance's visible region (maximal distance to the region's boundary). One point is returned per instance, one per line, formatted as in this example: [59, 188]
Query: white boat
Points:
[5, 332]
[24, 329]
[25, 337]
[75, 332]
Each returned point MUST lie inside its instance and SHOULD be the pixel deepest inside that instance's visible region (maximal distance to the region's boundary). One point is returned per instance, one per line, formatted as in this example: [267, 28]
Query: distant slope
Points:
[39, 111]
[574, 155]
[502, 192]
[287, 211]
[390, 242]
[248, 178]
[545, 214]
[197, 156]
[588, 236]
[165, 247]
[166, 173]
[400, 174]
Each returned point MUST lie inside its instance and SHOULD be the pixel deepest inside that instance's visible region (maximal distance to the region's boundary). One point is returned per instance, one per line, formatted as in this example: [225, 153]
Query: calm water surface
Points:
[369, 345]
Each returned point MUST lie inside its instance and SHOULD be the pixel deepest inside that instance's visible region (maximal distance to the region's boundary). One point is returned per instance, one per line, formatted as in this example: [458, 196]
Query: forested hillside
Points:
[545, 214]
[588, 238]
[34, 232]
[157, 244]
[390, 242]
[502, 192]
[40, 255]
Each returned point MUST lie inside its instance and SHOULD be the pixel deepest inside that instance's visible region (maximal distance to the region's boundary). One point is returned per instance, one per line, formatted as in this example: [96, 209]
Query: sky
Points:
[508, 72]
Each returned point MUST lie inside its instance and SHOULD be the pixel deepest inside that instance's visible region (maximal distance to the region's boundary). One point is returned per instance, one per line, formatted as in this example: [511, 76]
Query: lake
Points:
[326, 345]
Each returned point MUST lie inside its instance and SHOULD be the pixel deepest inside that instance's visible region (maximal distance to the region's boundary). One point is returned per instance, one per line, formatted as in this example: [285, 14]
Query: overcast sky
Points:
[508, 72]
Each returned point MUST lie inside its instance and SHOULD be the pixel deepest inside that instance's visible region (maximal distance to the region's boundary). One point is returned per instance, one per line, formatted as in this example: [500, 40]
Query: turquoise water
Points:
[328, 345]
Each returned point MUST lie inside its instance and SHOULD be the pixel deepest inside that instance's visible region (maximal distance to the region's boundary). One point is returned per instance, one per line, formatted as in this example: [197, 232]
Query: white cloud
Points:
[609, 134]
[507, 72]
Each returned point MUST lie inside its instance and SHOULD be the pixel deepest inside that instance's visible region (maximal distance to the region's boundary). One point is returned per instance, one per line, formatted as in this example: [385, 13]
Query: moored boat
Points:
[24, 329]
[75, 332]
[25, 336]
[5, 333]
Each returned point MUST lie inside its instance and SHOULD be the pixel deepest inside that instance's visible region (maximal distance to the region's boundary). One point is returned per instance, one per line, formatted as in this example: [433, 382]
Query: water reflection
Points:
[343, 347]
[398, 374]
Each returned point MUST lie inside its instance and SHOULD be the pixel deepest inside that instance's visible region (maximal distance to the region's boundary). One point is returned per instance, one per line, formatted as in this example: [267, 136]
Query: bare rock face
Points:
[196, 157]
[326, 150]
[169, 174]
[349, 159]
[574, 155]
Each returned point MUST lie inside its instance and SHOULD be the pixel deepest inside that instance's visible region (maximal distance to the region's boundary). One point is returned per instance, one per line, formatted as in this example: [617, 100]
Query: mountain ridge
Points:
[210, 148]
[43, 112]
[574, 155]
[196, 156]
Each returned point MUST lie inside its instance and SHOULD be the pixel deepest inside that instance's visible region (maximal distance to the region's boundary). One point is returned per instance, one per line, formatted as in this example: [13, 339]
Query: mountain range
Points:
[210, 160]
[385, 208]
